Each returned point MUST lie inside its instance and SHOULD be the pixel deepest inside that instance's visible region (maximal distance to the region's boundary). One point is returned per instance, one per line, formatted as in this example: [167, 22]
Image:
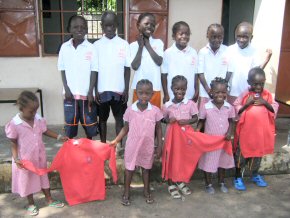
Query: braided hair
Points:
[177, 79]
[218, 80]
[144, 82]
[25, 98]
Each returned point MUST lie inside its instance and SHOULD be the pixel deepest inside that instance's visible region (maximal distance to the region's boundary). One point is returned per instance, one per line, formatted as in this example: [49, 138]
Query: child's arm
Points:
[92, 86]
[127, 73]
[261, 101]
[158, 130]
[248, 103]
[156, 58]
[164, 86]
[137, 60]
[230, 129]
[267, 58]
[200, 124]
[196, 88]
[204, 83]
[52, 134]
[228, 76]
[188, 122]
[14, 151]
[68, 95]
[124, 131]
[97, 96]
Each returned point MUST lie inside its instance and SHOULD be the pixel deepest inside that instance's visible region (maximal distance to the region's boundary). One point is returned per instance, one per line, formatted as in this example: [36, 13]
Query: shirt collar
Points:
[17, 120]
[217, 51]
[170, 102]
[106, 38]
[210, 105]
[84, 43]
[135, 108]
[185, 50]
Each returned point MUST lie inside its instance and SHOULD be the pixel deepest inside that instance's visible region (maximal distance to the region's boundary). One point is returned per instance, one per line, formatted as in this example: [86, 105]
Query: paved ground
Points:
[273, 201]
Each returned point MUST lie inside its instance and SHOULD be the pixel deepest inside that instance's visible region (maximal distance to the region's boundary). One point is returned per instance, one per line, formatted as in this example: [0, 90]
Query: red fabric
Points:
[255, 131]
[183, 148]
[81, 166]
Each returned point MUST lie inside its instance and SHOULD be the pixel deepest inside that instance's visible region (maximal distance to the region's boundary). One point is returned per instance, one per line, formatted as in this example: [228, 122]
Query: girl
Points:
[180, 58]
[147, 55]
[184, 112]
[255, 107]
[25, 133]
[216, 117]
[212, 61]
[142, 120]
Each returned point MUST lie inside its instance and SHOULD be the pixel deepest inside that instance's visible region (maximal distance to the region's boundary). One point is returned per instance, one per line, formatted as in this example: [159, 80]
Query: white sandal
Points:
[173, 191]
[184, 188]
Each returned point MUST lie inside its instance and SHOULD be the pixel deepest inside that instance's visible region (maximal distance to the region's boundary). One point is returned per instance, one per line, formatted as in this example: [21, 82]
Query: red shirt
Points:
[81, 166]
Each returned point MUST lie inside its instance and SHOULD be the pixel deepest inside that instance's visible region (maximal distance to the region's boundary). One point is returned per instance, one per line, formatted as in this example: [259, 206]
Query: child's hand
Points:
[125, 97]
[165, 98]
[140, 40]
[268, 54]
[97, 98]
[183, 122]
[113, 143]
[228, 136]
[146, 41]
[250, 100]
[260, 101]
[64, 138]
[19, 164]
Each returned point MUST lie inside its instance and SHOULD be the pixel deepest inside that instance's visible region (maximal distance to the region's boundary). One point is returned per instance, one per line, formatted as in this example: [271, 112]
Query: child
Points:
[77, 64]
[141, 121]
[180, 59]
[25, 133]
[257, 109]
[216, 116]
[184, 112]
[212, 61]
[147, 55]
[113, 74]
[242, 57]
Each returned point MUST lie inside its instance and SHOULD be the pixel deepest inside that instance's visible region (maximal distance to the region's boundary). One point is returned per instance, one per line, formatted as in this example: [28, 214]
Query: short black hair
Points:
[147, 14]
[177, 79]
[246, 24]
[255, 71]
[177, 26]
[109, 13]
[218, 80]
[144, 82]
[215, 25]
[25, 98]
[73, 18]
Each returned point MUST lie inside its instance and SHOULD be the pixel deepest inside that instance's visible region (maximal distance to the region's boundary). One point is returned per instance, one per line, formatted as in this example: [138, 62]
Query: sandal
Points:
[149, 199]
[56, 204]
[32, 210]
[173, 191]
[125, 201]
[183, 188]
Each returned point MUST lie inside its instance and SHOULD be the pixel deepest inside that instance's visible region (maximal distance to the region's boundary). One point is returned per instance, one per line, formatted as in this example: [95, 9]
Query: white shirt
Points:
[148, 69]
[77, 64]
[240, 63]
[180, 62]
[112, 56]
[212, 64]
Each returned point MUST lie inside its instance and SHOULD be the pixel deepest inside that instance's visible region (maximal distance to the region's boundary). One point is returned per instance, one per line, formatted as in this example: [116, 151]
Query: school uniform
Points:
[216, 123]
[180, 62]
[78, 63]
[240, 63]
[148, 69]
[113, 55]
[211, 64]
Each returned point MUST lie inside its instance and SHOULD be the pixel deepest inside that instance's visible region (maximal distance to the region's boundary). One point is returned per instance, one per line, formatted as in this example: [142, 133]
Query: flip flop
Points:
[149, 199]
[125, 201]
[32, 210]
[56, 204]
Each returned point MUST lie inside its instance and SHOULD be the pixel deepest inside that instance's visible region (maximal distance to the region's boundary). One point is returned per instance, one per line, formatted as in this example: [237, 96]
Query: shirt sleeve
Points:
[200, 67]
[238, 102]
[159, 115]
[128, 55]
[232, 113]
[60, 62]
[202, 112]
[126, 116]
[10, 130]
[164, 66]
[164, 111]
[43, 125]
[193, 108]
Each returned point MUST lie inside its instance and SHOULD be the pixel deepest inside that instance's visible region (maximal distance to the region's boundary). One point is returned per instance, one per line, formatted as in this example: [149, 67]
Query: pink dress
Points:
[216, 123]
[30, 147]
[139, 150]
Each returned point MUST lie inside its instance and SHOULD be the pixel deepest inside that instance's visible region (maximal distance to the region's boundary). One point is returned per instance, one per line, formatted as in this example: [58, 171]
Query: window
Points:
[54, 15]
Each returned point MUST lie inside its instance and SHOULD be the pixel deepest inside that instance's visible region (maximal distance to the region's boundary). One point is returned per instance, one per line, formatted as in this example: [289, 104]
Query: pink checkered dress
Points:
[139, 150]
[216, 124]
[30, 147]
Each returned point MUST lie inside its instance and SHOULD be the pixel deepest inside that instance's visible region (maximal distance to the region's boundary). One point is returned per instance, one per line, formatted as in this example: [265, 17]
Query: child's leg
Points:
[255, 163]
[240, 163]
[221, 175]
[50, 201]
[146, 181]
[118, 110]
[128, 179]
[104, 112]
[30, 199]
[32, 209]
[207, 177]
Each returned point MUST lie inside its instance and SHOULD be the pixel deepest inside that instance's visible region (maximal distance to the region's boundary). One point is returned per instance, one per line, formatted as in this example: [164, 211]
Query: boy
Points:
[242, 57]
[113, 74]
[77, 64]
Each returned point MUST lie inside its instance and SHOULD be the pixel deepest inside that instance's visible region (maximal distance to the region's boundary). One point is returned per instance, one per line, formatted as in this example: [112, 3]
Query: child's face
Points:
[215, 38]
[78, 28]
[179, 90]
[28, 112]
[219, 93]
[109, 26]
[257, 83]
[147, 26]
[144, 93]
[182, 37]
[243, 36]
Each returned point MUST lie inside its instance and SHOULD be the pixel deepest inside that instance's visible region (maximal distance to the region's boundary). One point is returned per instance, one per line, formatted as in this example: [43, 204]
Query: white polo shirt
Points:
[77, 64]
[212, 64]
[112, 55]
[148, 69]
[180, 62]
[240, 63]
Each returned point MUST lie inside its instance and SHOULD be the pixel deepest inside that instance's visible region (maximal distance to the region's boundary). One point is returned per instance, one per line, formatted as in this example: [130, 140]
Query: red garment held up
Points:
[183, 148]
[80, 163]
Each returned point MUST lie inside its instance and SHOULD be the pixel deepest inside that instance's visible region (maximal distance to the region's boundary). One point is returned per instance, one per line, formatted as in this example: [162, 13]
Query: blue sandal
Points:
[259, 181]
[239, 184]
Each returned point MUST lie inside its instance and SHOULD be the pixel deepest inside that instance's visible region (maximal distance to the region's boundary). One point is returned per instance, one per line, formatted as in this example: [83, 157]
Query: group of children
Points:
[96, 79]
